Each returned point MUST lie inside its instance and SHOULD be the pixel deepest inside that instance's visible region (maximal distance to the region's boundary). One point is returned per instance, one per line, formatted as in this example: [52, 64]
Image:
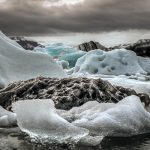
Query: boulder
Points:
[91, 46]
[66, 93]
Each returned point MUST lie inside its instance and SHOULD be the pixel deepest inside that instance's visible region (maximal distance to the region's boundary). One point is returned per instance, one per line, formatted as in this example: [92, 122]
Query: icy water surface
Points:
[14, 139]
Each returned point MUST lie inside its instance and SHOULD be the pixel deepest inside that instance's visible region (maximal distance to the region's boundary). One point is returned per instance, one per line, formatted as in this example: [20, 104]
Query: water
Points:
[14, 139]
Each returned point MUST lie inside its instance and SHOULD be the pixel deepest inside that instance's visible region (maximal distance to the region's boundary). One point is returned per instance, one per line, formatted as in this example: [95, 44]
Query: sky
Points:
[107, 21]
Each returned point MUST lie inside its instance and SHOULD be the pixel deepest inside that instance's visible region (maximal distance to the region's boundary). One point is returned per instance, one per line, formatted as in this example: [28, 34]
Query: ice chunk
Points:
[88, 124]
[7, 119]
[126, 118]
[39, 119]
[116, 62]
[73, 57]
[18, 64]
[64, 64]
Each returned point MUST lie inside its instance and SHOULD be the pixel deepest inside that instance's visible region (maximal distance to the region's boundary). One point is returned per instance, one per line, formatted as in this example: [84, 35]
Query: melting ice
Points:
[40, 119]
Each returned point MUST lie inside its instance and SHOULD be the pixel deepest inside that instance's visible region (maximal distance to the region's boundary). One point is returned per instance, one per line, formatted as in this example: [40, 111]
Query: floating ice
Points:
[126, 118]
[73, 57]
[18, 64]
[7, 119]
[116, 62]
[62, 51]
[40, 119]
[64, 64]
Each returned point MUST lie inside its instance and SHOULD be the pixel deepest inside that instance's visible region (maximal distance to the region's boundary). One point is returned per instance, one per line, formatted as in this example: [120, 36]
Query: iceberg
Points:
[62, 51]
[40, 119]
[17, 64]
[7, 119]
[64, 64]
[126, 118]
[115, 62]
[73, 57]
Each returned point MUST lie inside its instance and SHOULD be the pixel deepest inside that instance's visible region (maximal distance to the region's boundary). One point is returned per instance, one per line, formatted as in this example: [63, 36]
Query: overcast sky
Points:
[71, 17]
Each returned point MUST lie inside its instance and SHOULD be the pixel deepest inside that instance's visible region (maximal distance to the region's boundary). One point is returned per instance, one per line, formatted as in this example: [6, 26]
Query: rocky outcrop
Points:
[91, 46]
[66, 93]
[141, 47]
[26, 44]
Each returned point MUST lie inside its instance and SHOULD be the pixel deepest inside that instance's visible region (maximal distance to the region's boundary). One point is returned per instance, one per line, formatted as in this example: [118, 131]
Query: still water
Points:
[14, 139]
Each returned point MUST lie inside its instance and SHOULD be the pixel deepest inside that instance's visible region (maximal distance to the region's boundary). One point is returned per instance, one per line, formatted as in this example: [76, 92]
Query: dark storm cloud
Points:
[20, 17]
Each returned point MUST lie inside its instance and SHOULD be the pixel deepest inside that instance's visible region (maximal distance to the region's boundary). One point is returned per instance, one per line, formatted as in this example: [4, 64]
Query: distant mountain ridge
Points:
[141, 47]
[26, 43]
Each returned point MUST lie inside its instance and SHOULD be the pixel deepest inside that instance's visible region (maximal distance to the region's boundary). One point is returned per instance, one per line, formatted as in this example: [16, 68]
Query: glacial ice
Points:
[39, 119]
[73, 57]
[64, 64]
[116, 62]
[126, 118]
[17, 64]
[7, 119]
[62, 51]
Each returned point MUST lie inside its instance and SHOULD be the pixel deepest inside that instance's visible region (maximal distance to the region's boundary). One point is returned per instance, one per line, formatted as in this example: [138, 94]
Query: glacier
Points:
[40, 119]
[17, 64]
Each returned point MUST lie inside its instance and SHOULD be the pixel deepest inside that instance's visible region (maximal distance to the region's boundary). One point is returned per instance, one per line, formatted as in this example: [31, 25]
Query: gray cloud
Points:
[20, 17]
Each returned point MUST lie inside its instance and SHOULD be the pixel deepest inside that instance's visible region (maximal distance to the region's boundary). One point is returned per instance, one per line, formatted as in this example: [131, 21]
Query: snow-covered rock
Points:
[17, 64]
[116, 62]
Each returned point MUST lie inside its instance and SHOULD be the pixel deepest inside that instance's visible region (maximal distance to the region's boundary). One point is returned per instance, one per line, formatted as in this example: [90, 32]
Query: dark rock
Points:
[26, 44]
[66, 93]
[141, 47]
[91, 46]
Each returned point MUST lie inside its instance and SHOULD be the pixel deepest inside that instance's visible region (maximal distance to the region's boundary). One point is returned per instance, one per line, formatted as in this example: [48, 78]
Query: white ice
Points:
[116, 62]
[64, 64]
[7, 119]
[39, 118]
[18, 64]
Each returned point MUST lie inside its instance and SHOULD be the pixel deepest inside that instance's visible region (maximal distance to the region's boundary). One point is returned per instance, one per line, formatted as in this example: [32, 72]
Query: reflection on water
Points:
[14, 139]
